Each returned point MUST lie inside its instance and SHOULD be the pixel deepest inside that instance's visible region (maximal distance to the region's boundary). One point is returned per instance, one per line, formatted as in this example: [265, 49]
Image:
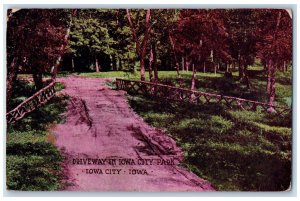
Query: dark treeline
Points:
[102, 40]
[39, 40]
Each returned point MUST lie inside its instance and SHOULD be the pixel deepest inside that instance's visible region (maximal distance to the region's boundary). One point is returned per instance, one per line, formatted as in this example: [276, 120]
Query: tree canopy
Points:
[150, 39]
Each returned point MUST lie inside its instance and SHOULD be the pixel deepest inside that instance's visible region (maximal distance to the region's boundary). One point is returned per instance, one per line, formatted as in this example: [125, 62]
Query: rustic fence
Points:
[185, 95]
[31, 103]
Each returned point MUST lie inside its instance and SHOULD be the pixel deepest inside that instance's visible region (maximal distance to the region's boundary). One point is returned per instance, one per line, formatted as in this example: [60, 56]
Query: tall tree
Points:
[241, 25]
[196, 41]
[90, 38]
[141, 47]
[275, 44]
[34, 40]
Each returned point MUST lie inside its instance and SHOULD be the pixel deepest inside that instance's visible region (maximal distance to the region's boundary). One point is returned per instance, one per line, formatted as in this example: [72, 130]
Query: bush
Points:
[33, 162]
[33, 172]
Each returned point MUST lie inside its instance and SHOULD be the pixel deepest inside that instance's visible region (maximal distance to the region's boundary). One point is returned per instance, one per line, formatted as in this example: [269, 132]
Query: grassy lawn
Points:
[215, 83]
[32, 160]
[234, 150]
[136, 75]
[209, 82]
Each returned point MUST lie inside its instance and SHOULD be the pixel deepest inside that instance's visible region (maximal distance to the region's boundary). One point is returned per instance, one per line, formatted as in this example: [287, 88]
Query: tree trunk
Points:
[73, 66]
[246, 77]
[54, 68]
[272, 89]
[155, 62]
[182, 64]
[265, 65]
[284, 66]
[272, 67]
[120, 64]
[240, 68]
[187, 63]
[117, 63]
[215, 66]
[97, 65]
[144, 45]
[114, 62]
[38, 80]
[175, 59]
[11, 78]
[268, 76]
[204, 67]
[178, 74]
[142, 62]
[150, 64]
[140, 48]
[193, 77]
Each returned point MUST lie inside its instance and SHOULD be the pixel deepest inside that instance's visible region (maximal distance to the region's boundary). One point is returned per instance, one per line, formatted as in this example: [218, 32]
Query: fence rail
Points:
[32, 103]
[185, 95]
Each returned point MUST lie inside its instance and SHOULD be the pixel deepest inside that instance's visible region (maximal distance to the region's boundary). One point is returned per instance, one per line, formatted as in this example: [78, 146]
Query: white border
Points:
[141, 4]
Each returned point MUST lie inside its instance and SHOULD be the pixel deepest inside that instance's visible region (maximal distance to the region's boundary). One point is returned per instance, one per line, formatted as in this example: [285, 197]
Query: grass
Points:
[215, 83]
[136, 75]
[23, 89]
[234, 150]
[32, 160]
[211, 82]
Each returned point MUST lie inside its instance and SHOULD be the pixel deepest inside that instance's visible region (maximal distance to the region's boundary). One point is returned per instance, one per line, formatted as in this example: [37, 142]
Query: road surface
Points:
[108, 147]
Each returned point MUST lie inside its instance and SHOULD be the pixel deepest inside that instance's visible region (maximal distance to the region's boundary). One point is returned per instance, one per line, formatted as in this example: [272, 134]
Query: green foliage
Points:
[59, 86]
[91, 36]
[43, 30]
[20, 137]
[33, 162]
[217, 83]
[22, 89]
[40, 119]
[102, 34]
[33, 172]
[234, 150]
[110, 74]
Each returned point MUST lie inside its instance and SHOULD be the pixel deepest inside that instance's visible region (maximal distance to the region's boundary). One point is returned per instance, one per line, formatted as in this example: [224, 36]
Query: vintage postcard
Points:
[149, 100]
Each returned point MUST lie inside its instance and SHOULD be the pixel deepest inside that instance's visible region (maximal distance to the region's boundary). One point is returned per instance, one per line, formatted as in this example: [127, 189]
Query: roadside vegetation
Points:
[244, 53]
[234, 150]
[33, 162]
[213, 83]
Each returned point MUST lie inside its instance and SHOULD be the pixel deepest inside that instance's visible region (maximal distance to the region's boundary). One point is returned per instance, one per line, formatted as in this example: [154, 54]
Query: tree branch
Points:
[146, 35]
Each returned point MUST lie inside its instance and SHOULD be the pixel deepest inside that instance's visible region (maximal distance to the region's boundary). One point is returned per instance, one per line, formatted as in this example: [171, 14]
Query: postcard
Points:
[149, 100]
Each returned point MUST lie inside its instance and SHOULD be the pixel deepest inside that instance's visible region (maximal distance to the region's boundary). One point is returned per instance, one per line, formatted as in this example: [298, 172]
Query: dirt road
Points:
[108, 147]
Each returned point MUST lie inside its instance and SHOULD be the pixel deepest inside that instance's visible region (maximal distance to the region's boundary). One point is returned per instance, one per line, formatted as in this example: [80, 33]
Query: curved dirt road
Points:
[108, 147]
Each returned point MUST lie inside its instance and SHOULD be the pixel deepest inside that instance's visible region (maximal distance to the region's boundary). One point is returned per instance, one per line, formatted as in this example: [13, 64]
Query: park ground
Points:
[233, 150]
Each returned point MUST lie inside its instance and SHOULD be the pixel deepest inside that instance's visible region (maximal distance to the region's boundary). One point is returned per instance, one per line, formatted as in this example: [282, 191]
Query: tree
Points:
[275, 44]
[141, 47]
[241, 25]
[34, 40]
[195, 39]
[90, 38]
[161, 40]
[120, 31]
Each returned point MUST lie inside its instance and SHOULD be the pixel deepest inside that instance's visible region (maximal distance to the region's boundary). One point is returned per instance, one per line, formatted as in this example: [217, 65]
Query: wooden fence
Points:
[30, 104]
[185, 95]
